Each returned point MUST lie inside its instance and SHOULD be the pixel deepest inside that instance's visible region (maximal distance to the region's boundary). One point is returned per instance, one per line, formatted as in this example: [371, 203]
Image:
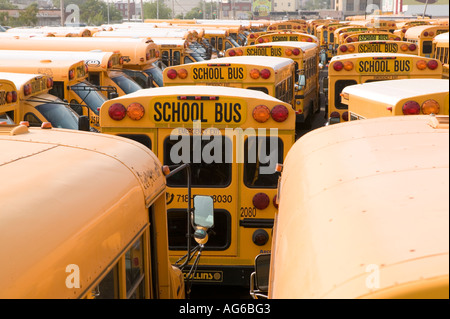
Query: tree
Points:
[151, 10]
[197, 12]
[28, 17]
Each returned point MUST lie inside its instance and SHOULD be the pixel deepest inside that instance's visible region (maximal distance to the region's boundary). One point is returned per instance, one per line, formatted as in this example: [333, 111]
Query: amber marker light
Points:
[430, 107]
[261, 113]
[421, 64]
[135, 111]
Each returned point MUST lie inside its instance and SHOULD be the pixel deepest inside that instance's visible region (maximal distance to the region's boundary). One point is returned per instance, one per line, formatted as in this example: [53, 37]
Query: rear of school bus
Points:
[306, 58]
[228, 163]
[272, 75]
[355, 217]
[350, 69]
[66, 237]
[397, 97]
[423, 37]
[378, 46]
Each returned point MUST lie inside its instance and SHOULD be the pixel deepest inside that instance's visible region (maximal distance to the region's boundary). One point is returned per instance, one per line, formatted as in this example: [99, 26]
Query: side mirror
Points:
[203, 211]
[259, 279]
[83, 123]
[112, 95]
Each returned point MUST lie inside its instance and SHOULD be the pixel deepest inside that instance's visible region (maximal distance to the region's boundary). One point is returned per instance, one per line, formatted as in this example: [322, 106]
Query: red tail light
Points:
[335, 115]
[260, 40]
[117, 111]
[432, 64]
[27, 89]
[279, 113]
[172, 74]
[71, 74]
[274, 201]
[296, 51]
[261, 200]
[231, 53]
[265, 73]
[412, 47]
[49, 82]
[411, 108]
[338, 65]
[343, 48]
[345, 116]
[110, 63]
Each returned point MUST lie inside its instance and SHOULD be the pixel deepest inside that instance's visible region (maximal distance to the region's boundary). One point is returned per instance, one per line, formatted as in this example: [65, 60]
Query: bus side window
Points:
[228, 45]
[94, 78]
[427, 47]
[220, 44]
[32, 119]
[109, 286]
[176, 58]
[134, 270]
[188, 60]
[74, 105]
[213, 42]
[165, 58]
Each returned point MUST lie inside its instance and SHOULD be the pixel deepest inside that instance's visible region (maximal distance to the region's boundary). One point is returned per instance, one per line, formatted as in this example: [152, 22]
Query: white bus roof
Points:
[269, 61]
[55, 55]
[190, 90]
[392, 91]
[19, 79]
[443, 37]
[298, 44]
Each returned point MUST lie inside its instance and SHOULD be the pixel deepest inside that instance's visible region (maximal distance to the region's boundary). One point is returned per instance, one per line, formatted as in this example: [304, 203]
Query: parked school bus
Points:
[232, 137]
[349, 37]
[441, 52]
[32, 102]
[397, 97]
[272, 75]
[423, 37]
[104, 68]
[69, 83]
[379, 46]
[349, 69]
[138, 54]
[286, 36]
[355, 216]
[306, 58]
[66, 239]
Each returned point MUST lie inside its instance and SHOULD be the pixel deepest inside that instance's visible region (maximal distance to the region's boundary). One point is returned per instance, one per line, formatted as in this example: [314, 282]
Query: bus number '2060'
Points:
[248, 211]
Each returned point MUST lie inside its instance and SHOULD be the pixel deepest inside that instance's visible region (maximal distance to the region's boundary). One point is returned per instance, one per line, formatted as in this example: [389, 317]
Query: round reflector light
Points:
[172, 74]
[260, 237]
[432, 64]
[411, 108]
[279, 113]
[265, 73]
[261, 200]
[135, 111]
[254, 74]
[430, 106]
[338, 65]
[261, 113]
[182, 73]
[117, 111]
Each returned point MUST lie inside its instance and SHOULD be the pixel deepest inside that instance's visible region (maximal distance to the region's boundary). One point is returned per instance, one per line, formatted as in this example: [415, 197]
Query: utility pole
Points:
[61, 4]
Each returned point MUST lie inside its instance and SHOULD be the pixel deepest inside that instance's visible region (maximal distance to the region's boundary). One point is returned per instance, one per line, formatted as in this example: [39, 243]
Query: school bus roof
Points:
[267, 61]
[443, 37]
[295, 44]
[417, 31]
[49, 173]
[365, 193]
[169, 41]
[56, 69]
[19, 79]
[392, 91]
[199, 90]
[94, 58]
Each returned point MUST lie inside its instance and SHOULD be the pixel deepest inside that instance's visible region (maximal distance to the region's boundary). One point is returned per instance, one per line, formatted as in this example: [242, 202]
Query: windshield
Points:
[89, 94]
[127, 84]
[59, 115]
[156, 74]
[233, 41]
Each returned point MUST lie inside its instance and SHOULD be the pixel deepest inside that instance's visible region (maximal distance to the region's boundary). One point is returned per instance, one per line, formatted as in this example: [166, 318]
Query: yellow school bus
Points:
[286, 36]
[396, 97]
[306, 57]
[403, 26]
[288, 26]
[272, 75]
[350, 69]
[325, 34]
[379, 46]
[104, 68]
[35, 105]
[69, 83]
[215, 129]
[176, 51]
[251, 38]
[339, 34]
[139, 55]
[388, 240]
[441, 52]
[64, 238]
[349, 37]
[423, 37]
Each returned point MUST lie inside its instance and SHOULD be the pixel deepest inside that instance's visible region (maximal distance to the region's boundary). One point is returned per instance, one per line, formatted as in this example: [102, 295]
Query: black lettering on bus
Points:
[402, 66]
[158, 116]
